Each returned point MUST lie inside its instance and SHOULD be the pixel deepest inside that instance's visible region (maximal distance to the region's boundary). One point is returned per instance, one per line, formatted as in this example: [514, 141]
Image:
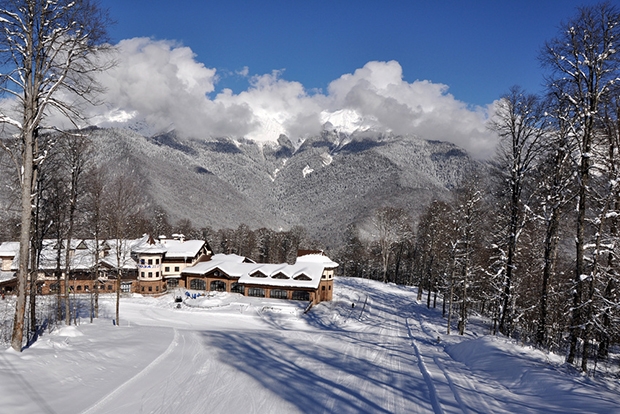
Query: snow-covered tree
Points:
[519, 122]
[584, 68]
[49, 58]
[391, 226]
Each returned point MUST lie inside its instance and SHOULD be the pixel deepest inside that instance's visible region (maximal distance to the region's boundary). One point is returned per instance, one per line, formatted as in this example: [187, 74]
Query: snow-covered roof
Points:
[182, 248]
[4, 276]
[9, 249]
[306, 272]
[83, 252]
[171, 248]
[82, 255]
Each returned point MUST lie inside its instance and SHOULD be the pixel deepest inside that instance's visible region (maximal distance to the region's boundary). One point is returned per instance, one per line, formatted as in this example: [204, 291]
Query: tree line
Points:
[532, 240]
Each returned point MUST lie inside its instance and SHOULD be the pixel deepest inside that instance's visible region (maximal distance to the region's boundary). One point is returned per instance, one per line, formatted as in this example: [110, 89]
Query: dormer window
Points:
[258, 273]
[302, 277]
[280, 275]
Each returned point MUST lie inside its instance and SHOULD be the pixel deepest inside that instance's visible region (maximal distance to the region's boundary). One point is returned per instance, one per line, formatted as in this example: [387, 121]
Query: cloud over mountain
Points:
[162, 83]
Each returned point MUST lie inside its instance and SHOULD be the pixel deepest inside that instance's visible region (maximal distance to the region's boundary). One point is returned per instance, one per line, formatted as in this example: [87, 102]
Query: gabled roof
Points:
[9, 249]
[278, 275]
[171, 248]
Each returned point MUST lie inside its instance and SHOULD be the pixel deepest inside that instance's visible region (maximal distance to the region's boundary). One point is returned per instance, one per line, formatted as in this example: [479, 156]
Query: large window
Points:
[198, 284]
[301, 295]
[172, 283]
[278, 294]
[218, 286]
[237, 288]
[256, 292]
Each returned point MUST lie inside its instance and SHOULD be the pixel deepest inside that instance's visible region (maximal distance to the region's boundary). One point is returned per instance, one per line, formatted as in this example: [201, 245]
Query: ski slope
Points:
[232, 354]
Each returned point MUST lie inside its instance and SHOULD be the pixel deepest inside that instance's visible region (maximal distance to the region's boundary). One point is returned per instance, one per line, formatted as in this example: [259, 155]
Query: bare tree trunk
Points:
[451, 296]
[24, 239]
[118, 296]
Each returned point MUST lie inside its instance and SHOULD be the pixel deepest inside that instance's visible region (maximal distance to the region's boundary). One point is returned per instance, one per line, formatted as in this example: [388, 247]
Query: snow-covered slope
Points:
[231, 354]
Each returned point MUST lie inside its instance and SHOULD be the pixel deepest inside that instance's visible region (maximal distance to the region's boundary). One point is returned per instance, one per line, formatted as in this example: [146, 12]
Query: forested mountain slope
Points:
[324, 184]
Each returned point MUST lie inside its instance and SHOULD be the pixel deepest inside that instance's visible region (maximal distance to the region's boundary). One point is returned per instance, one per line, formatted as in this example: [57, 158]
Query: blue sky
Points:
[468, 51]
[478, 48]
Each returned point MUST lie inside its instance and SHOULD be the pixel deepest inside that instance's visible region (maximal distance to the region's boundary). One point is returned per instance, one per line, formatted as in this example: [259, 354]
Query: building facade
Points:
[153, 266]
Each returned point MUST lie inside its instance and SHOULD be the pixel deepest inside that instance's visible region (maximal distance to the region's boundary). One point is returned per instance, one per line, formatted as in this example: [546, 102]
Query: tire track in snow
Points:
[102, 402]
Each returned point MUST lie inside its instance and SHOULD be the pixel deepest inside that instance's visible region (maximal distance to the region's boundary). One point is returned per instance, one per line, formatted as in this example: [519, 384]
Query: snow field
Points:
[225, 353]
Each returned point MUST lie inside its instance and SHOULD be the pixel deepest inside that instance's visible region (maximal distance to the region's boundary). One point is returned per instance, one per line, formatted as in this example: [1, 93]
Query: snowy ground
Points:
[232, 354]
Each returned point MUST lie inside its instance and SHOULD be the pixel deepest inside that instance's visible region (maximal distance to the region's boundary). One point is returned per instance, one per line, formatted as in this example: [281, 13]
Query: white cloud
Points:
[162, 83]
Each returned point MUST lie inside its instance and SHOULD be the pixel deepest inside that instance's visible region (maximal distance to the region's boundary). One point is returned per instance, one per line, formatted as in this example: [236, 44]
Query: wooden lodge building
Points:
[152, 266]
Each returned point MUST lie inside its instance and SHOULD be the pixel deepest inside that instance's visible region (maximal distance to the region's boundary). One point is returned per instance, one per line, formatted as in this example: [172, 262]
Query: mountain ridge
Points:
[324, 183]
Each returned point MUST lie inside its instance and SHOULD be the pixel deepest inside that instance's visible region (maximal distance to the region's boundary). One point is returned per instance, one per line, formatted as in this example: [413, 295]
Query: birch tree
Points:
[49, 52]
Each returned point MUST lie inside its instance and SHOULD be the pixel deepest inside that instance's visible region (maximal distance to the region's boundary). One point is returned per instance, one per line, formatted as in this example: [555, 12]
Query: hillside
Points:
[225, 353]
[323, 184]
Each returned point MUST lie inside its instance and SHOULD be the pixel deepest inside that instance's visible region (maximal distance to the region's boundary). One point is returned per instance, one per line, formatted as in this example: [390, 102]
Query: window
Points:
[54, 287]
[218, 286]
[323, 287]
[150, 288]
[109, 287]
[156, 261]
[302, 277]
[256, 292]
[330, 288]
[150, 274]
[142, 274]
[258, 273]
[278, 294]
[172, 283]
[79, 287]
[176, 268]
[150, 261]
[301, 295]
[167, 269]
[141, 261]
[198, 284]
[280, 275]
[157, 288]
[156, 274]
[143, 288]
[237, 288]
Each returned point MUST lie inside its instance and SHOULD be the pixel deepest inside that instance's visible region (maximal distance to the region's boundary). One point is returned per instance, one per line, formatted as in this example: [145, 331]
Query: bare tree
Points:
[585, 66]
[75, 151]
[392, 226]
[123, 203]
[48, 51]
[519, 122]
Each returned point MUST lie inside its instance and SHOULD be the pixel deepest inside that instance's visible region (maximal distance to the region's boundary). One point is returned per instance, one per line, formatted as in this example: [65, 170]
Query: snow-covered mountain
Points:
[323, 183]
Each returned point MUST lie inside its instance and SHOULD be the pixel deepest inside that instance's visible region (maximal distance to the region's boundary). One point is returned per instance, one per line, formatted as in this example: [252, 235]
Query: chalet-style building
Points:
[152, 266]
[144, 264]
[311, 278]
